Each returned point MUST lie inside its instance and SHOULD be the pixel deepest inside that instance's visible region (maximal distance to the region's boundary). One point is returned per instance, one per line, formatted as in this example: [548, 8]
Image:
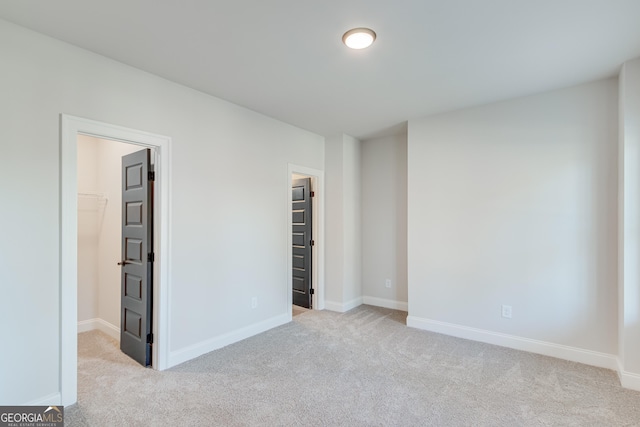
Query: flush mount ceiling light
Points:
[359, 38]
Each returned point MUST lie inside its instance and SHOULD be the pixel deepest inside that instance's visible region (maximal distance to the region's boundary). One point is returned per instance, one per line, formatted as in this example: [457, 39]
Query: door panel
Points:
[137, 257]
[301, 239]
[134, 213]
[133, 250]
[133, 286]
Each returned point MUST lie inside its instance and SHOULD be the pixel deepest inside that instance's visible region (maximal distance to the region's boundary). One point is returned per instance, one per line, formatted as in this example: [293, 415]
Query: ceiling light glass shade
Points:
[359, 38]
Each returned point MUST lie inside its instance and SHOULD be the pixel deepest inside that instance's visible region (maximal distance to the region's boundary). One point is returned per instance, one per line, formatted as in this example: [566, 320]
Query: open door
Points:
[302, 242]
[136, 337]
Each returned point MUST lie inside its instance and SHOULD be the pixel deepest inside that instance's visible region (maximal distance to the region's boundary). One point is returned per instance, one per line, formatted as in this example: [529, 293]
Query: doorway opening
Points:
[71, 128]
[297, 262]
[302, 239]
[103, 277]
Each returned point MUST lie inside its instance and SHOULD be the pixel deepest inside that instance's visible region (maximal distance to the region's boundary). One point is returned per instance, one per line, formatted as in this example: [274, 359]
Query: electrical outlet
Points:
[254, 302]
[506, 311]
[387, 283]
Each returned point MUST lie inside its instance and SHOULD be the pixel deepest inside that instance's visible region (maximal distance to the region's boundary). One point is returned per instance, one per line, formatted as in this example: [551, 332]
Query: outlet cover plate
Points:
[506, 311]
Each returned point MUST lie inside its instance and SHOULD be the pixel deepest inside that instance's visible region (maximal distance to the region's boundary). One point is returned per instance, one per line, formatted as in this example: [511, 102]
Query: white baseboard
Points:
[386, 303]
[101, 325]
[342, 307]
[574, 354]
[52, 399]
[333, 306]
[628, 379]
[87, 325]
[195, 350]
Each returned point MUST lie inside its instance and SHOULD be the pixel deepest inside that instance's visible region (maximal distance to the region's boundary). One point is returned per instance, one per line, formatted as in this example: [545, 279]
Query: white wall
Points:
[384, 221]
[629, 225]
[343, 222]
[90, 214]
[228, 190]
[352, 193]
[334, 249]
[515, 203]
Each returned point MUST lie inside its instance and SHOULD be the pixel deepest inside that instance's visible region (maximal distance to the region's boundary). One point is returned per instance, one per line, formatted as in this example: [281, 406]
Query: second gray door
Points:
[302, 241]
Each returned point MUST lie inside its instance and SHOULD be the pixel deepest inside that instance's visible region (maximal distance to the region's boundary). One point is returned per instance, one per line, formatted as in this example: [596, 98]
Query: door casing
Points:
[70, 128]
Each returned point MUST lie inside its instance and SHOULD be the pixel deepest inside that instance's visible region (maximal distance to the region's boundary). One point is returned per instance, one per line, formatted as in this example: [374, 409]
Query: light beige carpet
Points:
[295, 310]
[361, 368]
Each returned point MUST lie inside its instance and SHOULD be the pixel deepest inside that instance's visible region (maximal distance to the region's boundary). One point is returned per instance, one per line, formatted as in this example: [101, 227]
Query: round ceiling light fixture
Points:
[359, 38]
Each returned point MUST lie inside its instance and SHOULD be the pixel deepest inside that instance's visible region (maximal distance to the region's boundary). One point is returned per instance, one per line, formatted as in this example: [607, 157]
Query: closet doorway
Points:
[306, 238]
[115, 296]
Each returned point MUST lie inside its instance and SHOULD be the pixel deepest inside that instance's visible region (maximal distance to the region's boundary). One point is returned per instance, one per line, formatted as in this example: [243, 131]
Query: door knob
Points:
[123, 263]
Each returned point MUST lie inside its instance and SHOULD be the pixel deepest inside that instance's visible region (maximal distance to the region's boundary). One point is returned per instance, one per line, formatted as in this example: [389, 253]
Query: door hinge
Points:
[149, 338]
[151, 257]
[312, 291]
[312, 243]
[151, 176]
[313, 194]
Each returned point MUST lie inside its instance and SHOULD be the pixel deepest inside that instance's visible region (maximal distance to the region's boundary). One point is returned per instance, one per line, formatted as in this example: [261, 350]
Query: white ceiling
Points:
[285, 58]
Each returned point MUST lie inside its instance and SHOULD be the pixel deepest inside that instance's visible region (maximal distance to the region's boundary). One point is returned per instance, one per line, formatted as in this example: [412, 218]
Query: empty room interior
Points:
[330, 235]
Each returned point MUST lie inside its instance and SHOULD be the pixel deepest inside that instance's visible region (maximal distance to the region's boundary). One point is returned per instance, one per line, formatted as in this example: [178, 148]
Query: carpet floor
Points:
[360, 368]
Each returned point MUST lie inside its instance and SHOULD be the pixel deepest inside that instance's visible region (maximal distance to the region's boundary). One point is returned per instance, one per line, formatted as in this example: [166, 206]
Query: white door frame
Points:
[317, 262]
[71, 127]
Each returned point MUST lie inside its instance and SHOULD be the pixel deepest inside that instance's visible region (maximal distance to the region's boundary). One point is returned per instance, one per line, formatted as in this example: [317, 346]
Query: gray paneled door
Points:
[302, 241]
[137, 257]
